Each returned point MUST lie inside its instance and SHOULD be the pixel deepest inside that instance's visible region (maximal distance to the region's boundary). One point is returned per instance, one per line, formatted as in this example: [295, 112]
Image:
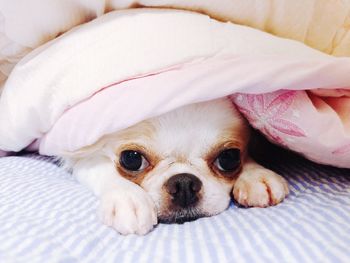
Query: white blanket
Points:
[152, 61]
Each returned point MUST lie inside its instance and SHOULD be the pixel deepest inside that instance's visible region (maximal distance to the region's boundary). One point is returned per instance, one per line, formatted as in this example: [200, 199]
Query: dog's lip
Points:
[180, 217]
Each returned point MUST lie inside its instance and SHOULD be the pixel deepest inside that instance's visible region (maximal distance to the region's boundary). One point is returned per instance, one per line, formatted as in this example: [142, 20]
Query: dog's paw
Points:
[129, 211]
[260, 187]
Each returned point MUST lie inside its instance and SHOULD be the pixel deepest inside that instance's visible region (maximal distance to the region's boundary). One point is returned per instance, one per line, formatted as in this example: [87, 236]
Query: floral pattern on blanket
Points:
[300, 121]
[266, 112]
[342, 150]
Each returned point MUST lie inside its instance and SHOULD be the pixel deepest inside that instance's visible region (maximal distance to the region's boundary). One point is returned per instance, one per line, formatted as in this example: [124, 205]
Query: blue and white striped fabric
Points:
[46, 216]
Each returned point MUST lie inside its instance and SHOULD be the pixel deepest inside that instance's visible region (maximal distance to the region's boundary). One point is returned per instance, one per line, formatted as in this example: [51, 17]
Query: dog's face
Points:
[187, 160]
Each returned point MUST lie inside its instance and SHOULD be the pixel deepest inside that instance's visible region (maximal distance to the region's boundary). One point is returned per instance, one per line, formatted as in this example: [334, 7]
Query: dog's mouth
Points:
[181, 216]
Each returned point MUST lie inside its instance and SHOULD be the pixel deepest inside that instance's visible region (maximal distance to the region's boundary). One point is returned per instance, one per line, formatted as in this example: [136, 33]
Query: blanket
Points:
[41, 21]
[130, 65]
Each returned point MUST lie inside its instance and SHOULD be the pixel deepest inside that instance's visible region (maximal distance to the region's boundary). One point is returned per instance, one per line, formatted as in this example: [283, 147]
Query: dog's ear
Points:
[258, 146]
[262, 150]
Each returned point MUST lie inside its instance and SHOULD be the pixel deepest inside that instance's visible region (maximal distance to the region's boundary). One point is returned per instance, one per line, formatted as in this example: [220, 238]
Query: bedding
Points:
[125, 77]
[47, 216]
[299, 20]
[64, 91]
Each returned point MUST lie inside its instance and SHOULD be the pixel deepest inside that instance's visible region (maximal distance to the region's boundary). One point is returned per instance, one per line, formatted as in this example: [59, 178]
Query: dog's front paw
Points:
[260, 187]
[129, 211]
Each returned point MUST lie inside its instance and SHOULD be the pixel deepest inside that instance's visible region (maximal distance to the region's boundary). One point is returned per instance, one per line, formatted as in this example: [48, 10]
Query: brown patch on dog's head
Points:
[137, 177]
[235, 138]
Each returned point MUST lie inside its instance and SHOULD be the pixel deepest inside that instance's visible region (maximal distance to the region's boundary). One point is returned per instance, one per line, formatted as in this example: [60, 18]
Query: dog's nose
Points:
[183, 189]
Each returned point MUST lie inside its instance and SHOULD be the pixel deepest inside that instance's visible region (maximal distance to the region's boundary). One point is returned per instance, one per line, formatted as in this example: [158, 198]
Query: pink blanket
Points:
[90, 83]
[314, 123]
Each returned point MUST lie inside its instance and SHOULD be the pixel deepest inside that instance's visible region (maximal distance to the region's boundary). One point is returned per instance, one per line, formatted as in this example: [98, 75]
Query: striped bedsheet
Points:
[46, 216]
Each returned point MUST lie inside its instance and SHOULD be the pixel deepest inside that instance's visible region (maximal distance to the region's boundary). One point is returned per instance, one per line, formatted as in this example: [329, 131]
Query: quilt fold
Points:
[130, 65]
[304, 21]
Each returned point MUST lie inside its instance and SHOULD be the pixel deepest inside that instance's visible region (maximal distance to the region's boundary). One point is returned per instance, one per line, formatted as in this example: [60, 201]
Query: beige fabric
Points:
[321, 24]
[25, 25]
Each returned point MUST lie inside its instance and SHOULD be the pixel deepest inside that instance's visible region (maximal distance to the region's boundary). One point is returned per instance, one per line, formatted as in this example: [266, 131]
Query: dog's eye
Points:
[133, 161]
[228, 160]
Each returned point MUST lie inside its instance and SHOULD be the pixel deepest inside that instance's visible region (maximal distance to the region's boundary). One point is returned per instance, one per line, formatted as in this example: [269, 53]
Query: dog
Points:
[177, 167]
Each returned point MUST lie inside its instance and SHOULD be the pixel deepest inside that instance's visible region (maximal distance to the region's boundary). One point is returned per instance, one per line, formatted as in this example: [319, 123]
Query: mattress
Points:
[47, 216]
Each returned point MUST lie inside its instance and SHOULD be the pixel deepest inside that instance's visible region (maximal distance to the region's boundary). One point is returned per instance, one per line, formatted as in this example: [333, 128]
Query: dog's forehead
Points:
[194, 129]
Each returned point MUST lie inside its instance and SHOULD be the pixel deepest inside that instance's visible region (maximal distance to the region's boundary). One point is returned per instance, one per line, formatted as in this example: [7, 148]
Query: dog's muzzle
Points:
[184, 191]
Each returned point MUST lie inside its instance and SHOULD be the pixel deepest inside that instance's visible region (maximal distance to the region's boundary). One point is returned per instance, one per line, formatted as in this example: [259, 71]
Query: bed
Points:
[47, 216]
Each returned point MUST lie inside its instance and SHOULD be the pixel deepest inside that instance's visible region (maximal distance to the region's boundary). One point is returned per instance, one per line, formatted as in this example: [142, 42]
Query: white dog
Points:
[176, 167]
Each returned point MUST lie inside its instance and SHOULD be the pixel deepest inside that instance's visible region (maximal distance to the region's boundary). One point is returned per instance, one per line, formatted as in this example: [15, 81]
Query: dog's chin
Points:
[181, 216]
